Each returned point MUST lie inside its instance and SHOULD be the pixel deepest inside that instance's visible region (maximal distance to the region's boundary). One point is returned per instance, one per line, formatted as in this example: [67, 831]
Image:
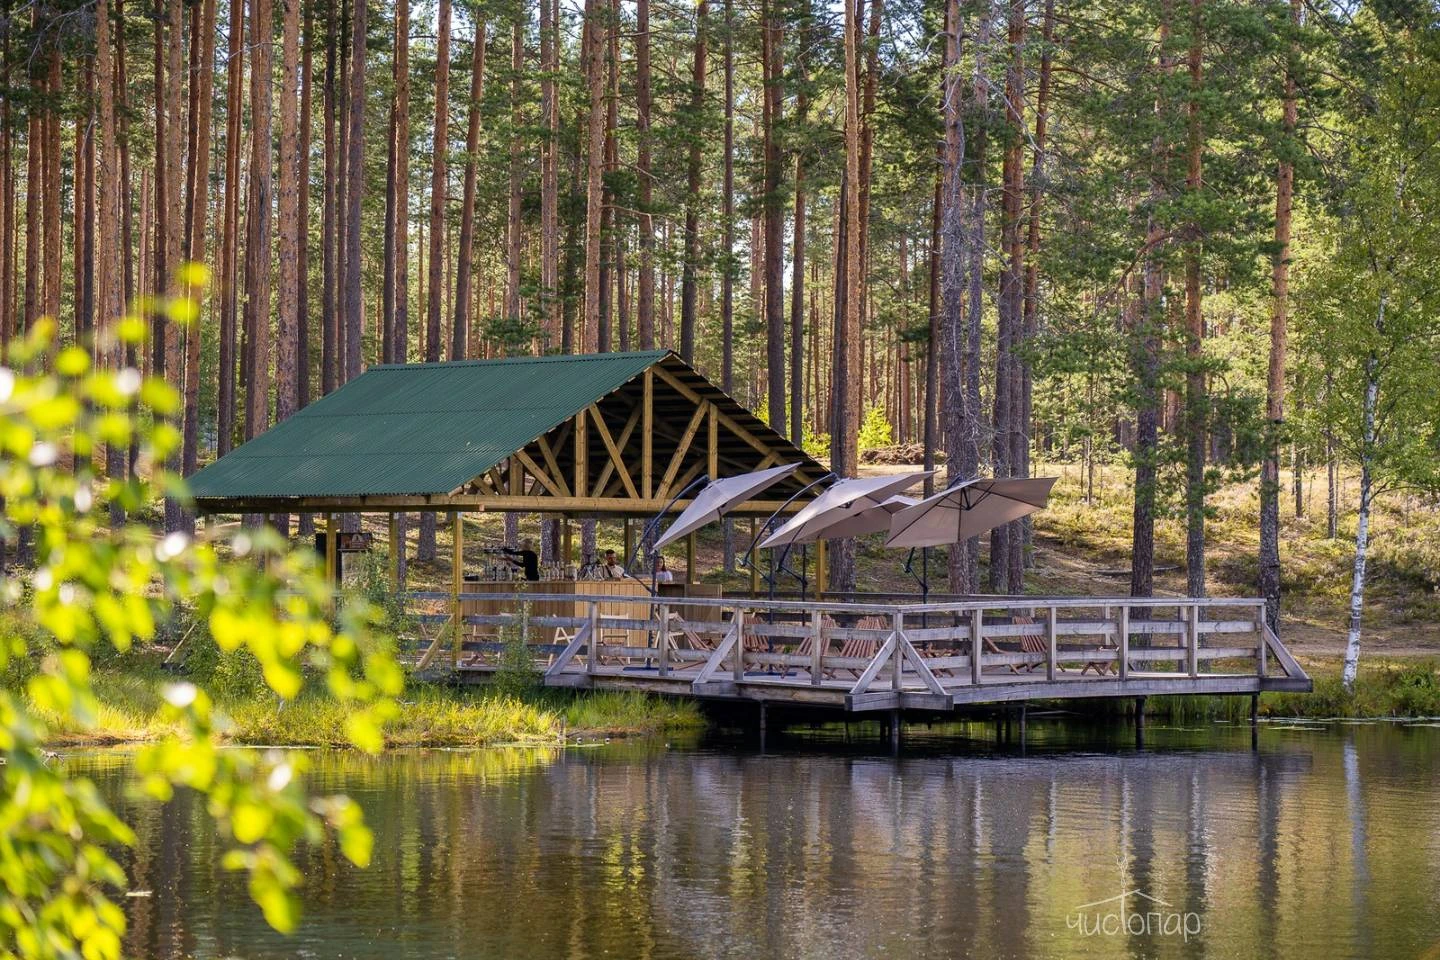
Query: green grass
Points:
[429, 715]
[1384, 689]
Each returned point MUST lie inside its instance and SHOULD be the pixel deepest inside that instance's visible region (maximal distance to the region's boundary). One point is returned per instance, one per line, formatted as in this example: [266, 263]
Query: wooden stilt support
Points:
[397, 550]
[457, 579]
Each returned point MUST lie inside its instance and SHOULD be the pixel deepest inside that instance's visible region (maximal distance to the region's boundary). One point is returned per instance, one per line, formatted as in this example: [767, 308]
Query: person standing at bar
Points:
[526, 558]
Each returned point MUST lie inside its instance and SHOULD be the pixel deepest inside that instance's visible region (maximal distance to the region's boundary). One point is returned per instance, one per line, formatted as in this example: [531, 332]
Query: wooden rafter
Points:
[536, 471]
[685, 440]
[603, 482]
[556, 474]
[615, 459]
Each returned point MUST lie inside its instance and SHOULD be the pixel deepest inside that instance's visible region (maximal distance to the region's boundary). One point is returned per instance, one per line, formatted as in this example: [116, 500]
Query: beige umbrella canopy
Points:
[719, 497]
[858, 521]
[852, 495]
[966, 510]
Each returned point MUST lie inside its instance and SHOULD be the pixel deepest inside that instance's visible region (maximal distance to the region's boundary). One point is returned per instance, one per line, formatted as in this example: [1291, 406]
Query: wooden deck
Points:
[866, 657]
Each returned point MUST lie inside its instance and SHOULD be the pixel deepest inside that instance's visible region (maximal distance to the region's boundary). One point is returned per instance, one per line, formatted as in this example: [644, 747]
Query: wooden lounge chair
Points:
[1032, 643]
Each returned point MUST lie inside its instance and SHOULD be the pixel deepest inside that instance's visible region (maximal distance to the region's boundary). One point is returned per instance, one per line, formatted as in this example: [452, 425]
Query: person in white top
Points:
[662, 572]
[610, 568]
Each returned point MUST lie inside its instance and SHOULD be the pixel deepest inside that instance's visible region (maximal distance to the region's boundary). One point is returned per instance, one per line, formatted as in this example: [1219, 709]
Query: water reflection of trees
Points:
[655, 853]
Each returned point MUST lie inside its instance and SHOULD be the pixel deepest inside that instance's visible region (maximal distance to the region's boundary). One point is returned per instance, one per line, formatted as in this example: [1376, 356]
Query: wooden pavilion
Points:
[612, 435]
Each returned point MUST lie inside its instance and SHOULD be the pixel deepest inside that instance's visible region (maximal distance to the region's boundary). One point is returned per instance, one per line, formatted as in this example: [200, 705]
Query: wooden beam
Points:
[581, 486]
[553, 465]
[619, 463]
[517, 476]
[679, 456]
[647, 431]
[712, 446]
[332, 556]
[690, 558]
[538, 473]
[603, 483]
[725, 419]
[457, 581]
[397, 550]
[479, 502]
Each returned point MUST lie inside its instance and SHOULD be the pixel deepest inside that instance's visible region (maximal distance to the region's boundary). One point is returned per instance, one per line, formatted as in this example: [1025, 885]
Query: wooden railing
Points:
[862, 648]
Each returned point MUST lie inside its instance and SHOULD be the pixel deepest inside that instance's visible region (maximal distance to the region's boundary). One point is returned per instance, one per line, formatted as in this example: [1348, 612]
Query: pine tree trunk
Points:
[690, 266]
[354, 191]
[951, 339]
[1031, 326]
[291, 230]
[435, 281]
[727, 266]
[329, 228]
[1275, 379]
[645, 284]
[549, 195]
[234, 67]
[593, 45]
[197, 208]
[514, 234]
[400, 344]
[797, 275]
[257, 249]
[773, 204]
[1145, 329]
[1196, 401]
[1005, 566]
[466, 255]
[108, 270]
[846, 382]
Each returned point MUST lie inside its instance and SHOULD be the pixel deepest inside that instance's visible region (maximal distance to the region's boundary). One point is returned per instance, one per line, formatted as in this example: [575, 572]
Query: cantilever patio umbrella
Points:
[857, 521]
[966, 510]
[719, 497]
[851, 496]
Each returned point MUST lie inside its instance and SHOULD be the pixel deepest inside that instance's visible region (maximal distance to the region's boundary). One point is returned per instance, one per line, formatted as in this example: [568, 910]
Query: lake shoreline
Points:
[434, 715]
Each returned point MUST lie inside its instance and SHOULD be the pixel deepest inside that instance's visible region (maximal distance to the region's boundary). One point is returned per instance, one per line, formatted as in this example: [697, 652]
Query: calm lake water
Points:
[1324, 842]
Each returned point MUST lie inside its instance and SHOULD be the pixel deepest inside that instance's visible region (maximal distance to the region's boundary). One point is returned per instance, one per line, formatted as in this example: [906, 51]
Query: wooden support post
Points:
[739, 644]
[1124, 646]
[712, 444]
[647, 430]
[629, 539]
[592, 652]
[457, 579]
[817, 648]
[397, 550]
[581, 486]
[977, 625]
[1262, 650]
[690, 559]
[662, 637]
[822, 569]
[1050, 639]
[898, 659]
[331, 555]
[754, 560]
[1194, 632]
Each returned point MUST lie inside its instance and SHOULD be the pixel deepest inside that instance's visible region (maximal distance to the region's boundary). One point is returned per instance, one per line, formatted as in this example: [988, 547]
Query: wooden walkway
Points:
[864, 657]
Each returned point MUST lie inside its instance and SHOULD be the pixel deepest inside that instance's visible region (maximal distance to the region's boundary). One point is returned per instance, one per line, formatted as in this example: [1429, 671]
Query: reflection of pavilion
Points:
[626, 435]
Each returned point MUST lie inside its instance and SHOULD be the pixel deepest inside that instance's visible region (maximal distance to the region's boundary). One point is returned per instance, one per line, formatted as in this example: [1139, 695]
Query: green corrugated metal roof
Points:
[413, 429]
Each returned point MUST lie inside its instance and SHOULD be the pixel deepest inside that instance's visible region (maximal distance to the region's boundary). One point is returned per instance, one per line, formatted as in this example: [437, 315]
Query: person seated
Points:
[662, 572]
[526, 558]
[610, 568]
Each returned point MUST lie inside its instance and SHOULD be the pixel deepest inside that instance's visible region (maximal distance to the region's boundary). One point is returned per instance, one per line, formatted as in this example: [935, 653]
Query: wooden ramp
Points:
[865, 657]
